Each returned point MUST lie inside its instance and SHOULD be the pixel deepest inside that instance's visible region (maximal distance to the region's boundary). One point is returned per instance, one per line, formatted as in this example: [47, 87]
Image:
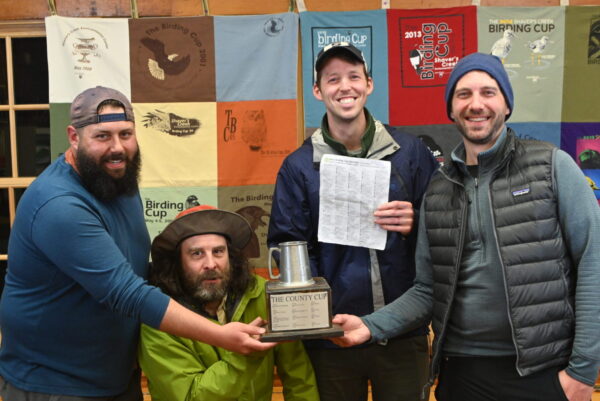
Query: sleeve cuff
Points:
[584, 370]
[376, 335]
[154, 309]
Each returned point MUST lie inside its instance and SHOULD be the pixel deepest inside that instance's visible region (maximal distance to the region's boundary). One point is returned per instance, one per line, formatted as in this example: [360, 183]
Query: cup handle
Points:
[271, 275]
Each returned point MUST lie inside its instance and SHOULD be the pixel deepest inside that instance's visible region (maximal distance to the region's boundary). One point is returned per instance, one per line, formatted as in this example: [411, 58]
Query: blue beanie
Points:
[481, 62]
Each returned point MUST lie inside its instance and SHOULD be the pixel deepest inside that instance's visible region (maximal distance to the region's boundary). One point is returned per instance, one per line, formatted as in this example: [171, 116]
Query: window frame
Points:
[10, 30]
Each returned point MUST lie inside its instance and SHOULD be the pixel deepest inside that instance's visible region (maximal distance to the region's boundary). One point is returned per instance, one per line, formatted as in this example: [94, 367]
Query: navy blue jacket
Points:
[348, 269]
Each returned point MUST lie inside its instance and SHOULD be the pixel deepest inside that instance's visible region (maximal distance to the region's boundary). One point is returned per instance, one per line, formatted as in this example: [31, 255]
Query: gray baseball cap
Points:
[84, 109]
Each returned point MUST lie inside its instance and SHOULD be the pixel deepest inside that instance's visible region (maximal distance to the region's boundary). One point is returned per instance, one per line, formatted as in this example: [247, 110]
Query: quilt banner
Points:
[172, 60]
[178, 143]
[582, 142]
[582, 65]
[424, 45]
[254, 203]
[256, 57]
[86, 52]
[441, 139]
[161, 205]
[575, 136]
[530, 43]
[215, 100]
[593, 177]
[254, 138]
[549, 132]
[364, 29]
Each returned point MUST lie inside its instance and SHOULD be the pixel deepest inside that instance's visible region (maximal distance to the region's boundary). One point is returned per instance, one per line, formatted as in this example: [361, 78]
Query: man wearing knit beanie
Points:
[484, 84]
[480, 62]
[507, 259]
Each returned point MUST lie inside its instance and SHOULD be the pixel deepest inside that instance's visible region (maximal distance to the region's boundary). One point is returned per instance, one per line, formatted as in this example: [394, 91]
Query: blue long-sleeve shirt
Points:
[579, 217]
[75, 294]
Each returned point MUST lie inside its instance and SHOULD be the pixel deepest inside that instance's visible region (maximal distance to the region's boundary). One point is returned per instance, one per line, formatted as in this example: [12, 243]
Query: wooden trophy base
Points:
[306, 334]
[299, 312]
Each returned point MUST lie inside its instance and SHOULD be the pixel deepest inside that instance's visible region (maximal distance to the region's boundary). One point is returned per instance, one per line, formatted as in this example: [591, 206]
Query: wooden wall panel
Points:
[339, 5]
[93, 8]
[429, 3]
[23, 28]
[520, 3]
[175, 8]
[245, 7]
[215, 7]
[356, 5]
[30, 9]
[38, 9]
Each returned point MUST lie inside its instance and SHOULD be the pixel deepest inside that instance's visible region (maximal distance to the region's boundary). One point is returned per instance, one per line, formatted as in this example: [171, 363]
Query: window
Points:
[24, 118]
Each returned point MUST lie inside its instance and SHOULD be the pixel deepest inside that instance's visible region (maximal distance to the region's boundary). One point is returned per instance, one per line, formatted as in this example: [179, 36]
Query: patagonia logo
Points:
[520, 192]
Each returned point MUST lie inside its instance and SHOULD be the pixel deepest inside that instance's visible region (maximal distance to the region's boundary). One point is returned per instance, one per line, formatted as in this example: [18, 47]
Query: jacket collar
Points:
[383, 144]
[366, 141]
[254, 290]
[489, 160]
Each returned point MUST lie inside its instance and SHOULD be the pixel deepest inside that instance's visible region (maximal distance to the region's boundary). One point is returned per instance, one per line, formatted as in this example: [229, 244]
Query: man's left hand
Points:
[574, 389]
[395, 216]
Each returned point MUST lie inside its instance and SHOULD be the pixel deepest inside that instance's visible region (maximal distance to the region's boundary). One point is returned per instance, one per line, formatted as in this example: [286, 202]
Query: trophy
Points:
[298, 305]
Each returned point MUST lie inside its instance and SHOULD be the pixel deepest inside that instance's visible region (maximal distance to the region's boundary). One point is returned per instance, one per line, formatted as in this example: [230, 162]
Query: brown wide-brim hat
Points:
[199, 220]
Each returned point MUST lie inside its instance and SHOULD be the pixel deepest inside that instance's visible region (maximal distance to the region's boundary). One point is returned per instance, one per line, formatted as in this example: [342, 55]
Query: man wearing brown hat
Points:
[197, 260]
[75, 292]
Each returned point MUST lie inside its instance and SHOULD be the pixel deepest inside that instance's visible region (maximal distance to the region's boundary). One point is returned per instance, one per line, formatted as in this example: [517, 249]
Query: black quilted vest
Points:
[538, 276]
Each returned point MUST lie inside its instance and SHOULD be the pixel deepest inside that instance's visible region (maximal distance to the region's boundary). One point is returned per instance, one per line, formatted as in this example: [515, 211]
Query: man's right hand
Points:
[237, 337]
[355, 331]
[243, 338]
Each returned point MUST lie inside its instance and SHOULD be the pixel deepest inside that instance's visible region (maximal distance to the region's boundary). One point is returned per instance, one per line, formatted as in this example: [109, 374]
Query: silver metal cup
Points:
[294, 265]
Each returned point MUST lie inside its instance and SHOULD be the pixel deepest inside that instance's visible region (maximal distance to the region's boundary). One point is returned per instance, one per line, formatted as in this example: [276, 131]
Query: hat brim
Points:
[212, 221]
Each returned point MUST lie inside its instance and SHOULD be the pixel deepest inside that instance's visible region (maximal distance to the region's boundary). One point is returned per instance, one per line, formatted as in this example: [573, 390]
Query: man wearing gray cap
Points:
[75, 292]
[508, 264]
[197, 259]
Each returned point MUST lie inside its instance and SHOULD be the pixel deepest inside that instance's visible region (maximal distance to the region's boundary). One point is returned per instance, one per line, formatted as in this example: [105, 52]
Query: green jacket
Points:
[180, 369]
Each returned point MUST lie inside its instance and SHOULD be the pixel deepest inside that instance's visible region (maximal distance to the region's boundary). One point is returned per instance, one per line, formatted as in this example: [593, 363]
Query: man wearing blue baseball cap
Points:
[507, 259]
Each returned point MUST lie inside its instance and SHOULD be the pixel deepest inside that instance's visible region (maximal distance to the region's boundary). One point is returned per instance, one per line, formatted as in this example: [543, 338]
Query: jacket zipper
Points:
[510, 321]
[434, 369]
